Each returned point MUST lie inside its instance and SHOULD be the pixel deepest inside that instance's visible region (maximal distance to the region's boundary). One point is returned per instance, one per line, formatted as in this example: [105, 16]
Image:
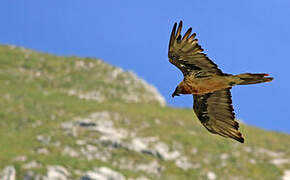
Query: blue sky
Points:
[239, 36]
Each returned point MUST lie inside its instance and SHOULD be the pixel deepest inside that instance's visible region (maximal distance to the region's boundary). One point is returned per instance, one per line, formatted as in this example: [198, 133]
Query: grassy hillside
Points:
[82, 114]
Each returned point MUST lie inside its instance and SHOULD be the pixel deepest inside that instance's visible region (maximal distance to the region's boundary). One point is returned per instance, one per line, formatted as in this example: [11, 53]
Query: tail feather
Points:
[249, 78]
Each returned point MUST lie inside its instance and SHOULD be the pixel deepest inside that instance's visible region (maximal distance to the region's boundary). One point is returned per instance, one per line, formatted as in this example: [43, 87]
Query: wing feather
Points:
[215, 112]
[185, 51]
[188, 32]
[178, 36]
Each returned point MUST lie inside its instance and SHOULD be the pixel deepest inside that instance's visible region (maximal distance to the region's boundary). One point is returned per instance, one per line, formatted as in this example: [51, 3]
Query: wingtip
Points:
[175, 24]
[269, 79]
[180, 24]
[178, 28]
[241, 139]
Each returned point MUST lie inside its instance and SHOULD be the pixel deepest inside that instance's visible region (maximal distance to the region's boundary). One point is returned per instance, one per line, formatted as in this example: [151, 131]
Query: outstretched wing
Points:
[186, 54]
[215, 112]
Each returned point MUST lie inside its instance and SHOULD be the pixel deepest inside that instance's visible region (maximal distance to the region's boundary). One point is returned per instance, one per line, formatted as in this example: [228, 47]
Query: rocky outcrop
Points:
[106, 82]
[117, 84]
[286, 175]
[80, 118]
[9, 173]
[102, 173]
[111, 136]
[56, 172]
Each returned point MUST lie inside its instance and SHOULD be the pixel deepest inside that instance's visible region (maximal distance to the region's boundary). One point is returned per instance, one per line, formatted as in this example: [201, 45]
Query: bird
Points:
[210, 87]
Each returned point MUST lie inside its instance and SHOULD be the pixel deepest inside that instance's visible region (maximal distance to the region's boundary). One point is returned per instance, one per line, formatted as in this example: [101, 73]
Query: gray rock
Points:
[81, 142]
[211, 175]
[143, 145]
[280, 161]
[91, 153]
[32, 164]
[183, 163]
[70, 152]
[163, 150]
[157, 121]
[82, 64]
[269, 153]
[9, 173]
[20, 158]
[116, 72]
[139, 178]
[124, 163]
[78, 172]
[36, 124]
[194, 150]
[42, 150]
[252, 161]
[30, 175]
[103, 173]
[286, 175]
[152, 168]
[248, 149]
[147, 146]
[56, 173]
[101, 122]
[92, 95]
[56, 143]
[43, 139]
[67, 126]
[91, 148]
[70, 128]
[224, 156]
[105, 126]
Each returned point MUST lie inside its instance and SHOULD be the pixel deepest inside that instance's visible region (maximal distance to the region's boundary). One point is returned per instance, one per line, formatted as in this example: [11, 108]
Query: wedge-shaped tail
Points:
[249, 78]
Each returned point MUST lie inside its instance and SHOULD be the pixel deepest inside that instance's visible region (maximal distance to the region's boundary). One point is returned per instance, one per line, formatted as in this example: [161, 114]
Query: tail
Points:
[249, 78]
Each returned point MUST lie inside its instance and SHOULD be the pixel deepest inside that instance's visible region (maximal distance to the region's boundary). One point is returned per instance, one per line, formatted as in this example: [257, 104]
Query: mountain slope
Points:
[75, 117]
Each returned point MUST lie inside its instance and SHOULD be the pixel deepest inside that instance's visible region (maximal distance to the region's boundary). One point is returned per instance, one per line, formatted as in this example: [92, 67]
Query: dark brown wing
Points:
[215, 112]
[186, 54]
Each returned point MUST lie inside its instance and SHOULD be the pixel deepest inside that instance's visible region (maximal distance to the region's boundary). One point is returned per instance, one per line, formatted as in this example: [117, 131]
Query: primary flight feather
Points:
[209, 86]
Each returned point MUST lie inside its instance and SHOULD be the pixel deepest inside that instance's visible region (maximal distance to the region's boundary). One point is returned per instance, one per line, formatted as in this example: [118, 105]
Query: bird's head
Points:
[177, 92]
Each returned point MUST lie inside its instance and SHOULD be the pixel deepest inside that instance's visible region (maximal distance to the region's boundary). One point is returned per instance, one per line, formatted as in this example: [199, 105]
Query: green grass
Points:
[27, 100]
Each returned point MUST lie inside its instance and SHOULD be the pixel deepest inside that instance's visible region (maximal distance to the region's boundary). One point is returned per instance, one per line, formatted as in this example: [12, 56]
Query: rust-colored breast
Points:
[203, 85]
[185, 89]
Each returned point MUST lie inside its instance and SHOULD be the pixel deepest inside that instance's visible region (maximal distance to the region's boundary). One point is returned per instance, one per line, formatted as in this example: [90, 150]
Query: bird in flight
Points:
[209, 86]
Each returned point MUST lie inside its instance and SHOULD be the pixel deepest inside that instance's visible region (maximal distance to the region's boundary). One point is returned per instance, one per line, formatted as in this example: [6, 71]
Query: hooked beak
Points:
[174, 94]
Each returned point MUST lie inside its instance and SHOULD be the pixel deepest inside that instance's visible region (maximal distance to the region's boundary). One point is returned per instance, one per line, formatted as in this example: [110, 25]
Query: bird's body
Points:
[209, 86]
[199, 86]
